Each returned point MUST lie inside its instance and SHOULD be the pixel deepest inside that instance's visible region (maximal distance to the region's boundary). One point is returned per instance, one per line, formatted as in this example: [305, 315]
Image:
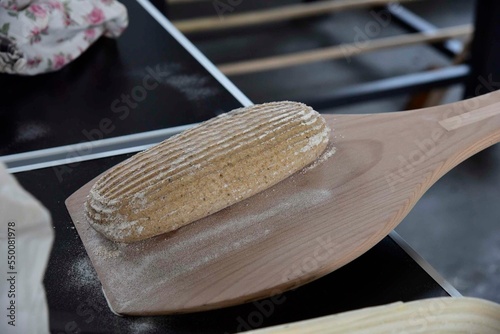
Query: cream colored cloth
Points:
[31, 236]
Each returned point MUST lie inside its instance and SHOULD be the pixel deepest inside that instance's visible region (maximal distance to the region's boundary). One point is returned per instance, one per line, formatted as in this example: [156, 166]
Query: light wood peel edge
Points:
[436, 315]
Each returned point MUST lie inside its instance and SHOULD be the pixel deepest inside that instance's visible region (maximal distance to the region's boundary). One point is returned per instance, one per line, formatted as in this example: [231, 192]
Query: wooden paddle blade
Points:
[302, 228]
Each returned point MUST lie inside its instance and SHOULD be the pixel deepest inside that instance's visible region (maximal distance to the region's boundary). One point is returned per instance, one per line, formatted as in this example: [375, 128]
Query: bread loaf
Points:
[205, 169]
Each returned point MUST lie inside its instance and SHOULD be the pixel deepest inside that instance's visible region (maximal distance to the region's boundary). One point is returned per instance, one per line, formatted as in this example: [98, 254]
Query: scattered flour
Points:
[30, 131]
[82, 274]
[159, 267]
[327, 154]
[107, 252]
[142, 325]
[193, 86]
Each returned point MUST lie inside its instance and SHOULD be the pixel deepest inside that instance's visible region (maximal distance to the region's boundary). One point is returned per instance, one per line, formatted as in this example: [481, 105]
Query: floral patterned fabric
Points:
[39, 36]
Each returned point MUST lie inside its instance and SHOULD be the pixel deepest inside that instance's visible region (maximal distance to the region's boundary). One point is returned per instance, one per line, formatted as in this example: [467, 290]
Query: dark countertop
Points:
[88, 98]
[61, 108]
[384, 274]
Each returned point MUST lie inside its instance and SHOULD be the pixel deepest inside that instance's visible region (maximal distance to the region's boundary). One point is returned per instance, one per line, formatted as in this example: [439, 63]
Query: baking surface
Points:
[384, 274]
[222, 240]
[305, 227]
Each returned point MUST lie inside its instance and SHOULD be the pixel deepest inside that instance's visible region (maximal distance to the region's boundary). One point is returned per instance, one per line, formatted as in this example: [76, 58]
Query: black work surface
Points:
[83, 101]
[384, 274]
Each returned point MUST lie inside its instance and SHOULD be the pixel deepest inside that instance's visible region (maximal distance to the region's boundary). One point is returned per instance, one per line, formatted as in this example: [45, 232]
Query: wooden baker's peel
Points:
[304, 227]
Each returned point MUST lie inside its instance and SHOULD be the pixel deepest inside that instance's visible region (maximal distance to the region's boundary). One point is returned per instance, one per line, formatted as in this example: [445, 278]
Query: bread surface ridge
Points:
[205, 169]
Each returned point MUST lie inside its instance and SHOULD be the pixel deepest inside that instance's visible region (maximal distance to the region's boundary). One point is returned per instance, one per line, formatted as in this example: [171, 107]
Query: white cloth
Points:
[39, 36]
[33, 241]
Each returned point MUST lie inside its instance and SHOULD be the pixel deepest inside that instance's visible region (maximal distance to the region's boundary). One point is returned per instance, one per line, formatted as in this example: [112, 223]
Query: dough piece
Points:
[205, 169]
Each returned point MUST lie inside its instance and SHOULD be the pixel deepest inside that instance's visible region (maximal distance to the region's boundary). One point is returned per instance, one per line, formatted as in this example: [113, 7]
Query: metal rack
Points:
[485, 50]
[481, 65]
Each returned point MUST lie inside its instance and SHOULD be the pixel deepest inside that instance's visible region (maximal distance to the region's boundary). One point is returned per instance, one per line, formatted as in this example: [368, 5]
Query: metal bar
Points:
[341, 51]
[485, 50]
[76, 152]
[161, 5]
[389, 87]
[272, 15]
[450, 289]
[415, 23]
[195, 53]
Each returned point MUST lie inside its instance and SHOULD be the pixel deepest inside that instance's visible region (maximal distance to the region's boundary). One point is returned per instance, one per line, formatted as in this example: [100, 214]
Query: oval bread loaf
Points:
[205, 169]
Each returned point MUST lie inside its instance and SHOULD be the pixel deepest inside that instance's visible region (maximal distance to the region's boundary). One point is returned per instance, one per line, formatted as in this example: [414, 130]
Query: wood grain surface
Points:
[342, 51]
[304, 227]
[272, 15]
[435, 315]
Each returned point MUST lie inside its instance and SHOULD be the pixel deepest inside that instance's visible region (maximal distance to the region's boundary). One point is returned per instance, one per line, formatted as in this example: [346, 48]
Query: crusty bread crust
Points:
[205, 169]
